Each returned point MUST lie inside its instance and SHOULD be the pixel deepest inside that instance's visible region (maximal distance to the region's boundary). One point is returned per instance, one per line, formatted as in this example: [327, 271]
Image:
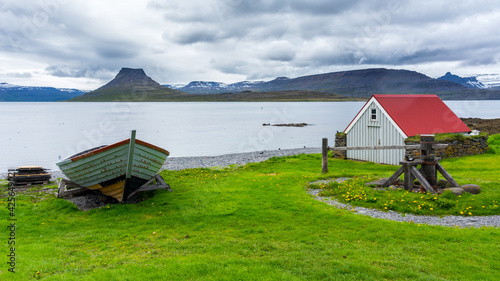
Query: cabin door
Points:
[374, 140]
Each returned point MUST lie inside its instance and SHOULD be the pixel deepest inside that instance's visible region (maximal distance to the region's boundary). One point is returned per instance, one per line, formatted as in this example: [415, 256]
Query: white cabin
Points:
[390, 119]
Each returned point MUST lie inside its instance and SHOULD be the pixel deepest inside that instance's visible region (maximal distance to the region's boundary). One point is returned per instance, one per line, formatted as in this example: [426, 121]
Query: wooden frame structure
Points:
[325, 148]
[429, 164]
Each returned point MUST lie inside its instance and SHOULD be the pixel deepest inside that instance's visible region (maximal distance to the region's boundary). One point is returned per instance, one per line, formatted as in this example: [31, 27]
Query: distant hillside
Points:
[299, 95]
[364, 83]
[9, 92]
[469, 82]
[130, 85]
[354, 83]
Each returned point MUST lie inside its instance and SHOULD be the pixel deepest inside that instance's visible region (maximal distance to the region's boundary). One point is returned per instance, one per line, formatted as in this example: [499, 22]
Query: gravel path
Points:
[450, 221]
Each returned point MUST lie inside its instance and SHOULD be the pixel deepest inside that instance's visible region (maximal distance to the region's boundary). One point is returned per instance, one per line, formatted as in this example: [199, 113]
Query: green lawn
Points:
[255, 222]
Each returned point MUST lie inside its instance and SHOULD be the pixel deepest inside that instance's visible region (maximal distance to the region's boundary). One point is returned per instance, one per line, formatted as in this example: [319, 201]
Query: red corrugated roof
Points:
[421, 114]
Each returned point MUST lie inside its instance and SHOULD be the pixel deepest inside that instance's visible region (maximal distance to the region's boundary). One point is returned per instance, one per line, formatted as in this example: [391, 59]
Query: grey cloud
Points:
[229, 65]
[79, 71]
[256, 39]
[279, 51]
[115, 50]
[193, 35]
[240, 7]
[65, 71]
[20, 74]
[280, 55]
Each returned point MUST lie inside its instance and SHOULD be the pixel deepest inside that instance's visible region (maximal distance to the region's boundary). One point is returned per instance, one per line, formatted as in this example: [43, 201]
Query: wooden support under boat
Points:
[68, 188]
[155, 183]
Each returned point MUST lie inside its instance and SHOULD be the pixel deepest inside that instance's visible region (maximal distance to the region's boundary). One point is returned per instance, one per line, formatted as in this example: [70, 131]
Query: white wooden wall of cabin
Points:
[371, 133]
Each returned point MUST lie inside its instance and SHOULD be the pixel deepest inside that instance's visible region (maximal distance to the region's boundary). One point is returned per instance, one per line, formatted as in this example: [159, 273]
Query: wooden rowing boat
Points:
[117, 170]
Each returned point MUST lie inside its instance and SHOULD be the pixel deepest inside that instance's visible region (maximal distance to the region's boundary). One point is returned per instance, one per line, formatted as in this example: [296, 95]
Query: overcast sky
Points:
[84, 43]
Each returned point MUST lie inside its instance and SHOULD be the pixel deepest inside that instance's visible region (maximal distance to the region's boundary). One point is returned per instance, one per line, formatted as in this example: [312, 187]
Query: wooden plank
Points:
[75, 191]
[61, 187]
[130, 157]
[421, 179]
[160, 184]
[446, 175]
[63, 191]
[152, 187]
[394, 177]
[374, 147]
[324, 150]
[381, 147]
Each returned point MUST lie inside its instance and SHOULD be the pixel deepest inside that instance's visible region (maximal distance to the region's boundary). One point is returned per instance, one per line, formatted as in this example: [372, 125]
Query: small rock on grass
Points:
[456, 190]
[471, 188]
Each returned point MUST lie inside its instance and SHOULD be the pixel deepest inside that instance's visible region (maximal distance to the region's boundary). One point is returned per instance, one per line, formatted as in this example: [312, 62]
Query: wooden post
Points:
[408, 181]
[324, 150]
[428, 167]
[130, 163]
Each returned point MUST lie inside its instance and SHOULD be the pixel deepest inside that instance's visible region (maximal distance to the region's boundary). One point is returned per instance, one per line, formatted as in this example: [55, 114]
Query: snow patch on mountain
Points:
[7, 85]
[204, 87]
[10, 92]
[489, 80]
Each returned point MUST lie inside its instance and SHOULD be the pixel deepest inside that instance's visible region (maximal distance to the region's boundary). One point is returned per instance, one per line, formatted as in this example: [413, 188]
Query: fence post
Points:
[324, 150]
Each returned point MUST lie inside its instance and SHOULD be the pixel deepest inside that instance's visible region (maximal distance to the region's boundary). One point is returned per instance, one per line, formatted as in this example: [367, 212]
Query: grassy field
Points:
[247, 223]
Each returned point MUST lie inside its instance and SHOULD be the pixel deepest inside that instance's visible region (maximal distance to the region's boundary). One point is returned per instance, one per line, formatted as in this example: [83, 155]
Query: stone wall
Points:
[456, 148]
[340, 140]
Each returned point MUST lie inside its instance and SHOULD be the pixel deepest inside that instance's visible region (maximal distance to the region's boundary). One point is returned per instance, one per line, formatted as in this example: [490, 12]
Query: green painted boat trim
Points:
[110, 162]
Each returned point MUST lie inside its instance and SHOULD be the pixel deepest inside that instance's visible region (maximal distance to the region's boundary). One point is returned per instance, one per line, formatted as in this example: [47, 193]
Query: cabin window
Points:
[373, 115]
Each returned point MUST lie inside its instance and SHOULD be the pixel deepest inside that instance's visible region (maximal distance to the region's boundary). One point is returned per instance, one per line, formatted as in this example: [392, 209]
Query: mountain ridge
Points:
[357, 83]
[469, 82]
[134, 85]
[13, 93]
[130, 84]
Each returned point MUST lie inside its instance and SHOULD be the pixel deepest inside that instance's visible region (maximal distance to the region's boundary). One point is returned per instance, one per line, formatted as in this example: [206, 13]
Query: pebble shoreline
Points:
[180, 163]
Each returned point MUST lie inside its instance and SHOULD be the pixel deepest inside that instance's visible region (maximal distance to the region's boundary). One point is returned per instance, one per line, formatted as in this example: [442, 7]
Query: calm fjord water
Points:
[44, 133]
